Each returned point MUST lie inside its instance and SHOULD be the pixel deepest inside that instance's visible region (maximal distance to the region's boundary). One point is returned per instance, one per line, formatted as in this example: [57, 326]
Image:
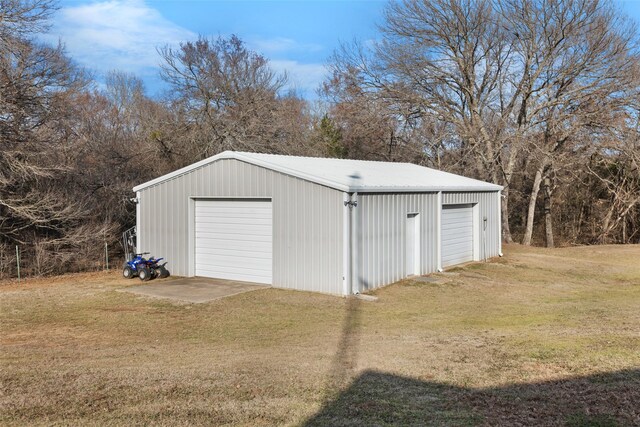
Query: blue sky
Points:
[297, 36]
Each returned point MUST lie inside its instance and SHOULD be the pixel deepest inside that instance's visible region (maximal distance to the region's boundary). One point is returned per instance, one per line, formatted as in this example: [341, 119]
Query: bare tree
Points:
[358, 123]
[39, 91]
[448, 62]
[227, 94]
[511, 81]
[20, 19]
[616, 167]
[589, 67]
[36, 82]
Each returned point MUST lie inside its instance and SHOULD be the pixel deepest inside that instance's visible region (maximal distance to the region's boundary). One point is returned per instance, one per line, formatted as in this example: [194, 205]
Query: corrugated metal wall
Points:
[307, 221]
[489, 206]
[381, 232]
[308, 225]
[381, 236]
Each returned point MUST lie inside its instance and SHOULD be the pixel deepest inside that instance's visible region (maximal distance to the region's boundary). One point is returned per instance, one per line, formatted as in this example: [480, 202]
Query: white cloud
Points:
[305, 78]
[124, 34]
[281, 44]
[116, 34]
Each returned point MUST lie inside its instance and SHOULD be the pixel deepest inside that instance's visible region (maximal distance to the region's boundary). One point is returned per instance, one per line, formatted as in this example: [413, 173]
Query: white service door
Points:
[457, 234]
[413, 244]
[233, 240]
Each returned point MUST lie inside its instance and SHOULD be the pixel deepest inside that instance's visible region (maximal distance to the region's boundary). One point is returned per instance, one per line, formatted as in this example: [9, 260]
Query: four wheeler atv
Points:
[145, 269]
[136, 265]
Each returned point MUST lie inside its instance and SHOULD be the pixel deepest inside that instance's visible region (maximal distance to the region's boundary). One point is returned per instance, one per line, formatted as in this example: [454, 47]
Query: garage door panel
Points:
[239, 228]
[457, 248]
[218, 254]
[234, 228]
[458, 258]
[461, 230]
[209, 217]
[462, 247]
[234, 240]
[452, 214]
[248, 207]
[221, 269]
[459, 239]
[231, 237]
[236, 258]
[452, 243]
[213, 218]
[231, 273]
[456, 224]
[233, 204]
[457, 234]
[242, 277]
[455, 260]
[238, 248]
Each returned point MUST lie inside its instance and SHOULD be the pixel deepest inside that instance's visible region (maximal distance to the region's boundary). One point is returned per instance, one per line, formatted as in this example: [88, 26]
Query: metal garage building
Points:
[326, 225]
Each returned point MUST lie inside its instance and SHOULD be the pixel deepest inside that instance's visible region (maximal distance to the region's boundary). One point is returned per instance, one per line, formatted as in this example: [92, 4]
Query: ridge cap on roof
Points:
[327, 158]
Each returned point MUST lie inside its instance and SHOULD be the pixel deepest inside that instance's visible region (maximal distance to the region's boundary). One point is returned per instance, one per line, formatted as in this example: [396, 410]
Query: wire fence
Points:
[37, 260]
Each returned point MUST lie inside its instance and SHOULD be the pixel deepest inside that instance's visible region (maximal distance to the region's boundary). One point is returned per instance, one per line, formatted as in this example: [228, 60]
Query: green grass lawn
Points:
[539, 337]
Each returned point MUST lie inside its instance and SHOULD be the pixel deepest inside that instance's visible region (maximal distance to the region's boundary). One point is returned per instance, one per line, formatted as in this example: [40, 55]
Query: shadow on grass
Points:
[377, 398]
[347, 353]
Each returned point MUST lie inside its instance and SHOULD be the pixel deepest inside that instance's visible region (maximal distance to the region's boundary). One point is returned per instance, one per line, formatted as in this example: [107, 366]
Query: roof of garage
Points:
[347, 175]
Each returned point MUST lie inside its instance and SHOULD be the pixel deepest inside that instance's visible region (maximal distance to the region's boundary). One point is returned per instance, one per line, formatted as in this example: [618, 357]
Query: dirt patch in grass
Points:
[539, 337]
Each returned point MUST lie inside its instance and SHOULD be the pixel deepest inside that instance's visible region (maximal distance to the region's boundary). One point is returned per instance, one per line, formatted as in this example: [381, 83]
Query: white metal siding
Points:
[381, 236]
[381, 232]
[308, 225]
[457, 234]
[307, 221]
[233, 240]
[488, 207]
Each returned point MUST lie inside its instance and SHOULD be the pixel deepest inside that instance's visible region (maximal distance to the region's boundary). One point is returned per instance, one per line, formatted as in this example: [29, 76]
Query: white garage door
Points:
[457, 234]
[234, 240]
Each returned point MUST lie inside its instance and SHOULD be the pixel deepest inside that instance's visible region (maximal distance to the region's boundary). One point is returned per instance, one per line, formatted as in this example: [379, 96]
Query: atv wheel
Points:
[163, 273]
[127, 272]
[144, 274]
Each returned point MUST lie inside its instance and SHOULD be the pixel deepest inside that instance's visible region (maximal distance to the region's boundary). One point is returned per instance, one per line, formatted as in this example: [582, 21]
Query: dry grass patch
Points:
[537, 337]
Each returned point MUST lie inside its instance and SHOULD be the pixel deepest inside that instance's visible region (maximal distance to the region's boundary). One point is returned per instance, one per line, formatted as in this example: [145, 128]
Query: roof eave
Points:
[426, 189]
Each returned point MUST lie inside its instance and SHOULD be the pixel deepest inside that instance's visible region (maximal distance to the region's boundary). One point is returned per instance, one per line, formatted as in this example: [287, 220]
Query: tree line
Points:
[540, 96]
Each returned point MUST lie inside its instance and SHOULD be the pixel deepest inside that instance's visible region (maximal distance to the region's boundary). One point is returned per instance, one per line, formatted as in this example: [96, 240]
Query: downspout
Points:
[350, 285]
[346, 244]
[499, 193]
[355, 279]
[439, 232]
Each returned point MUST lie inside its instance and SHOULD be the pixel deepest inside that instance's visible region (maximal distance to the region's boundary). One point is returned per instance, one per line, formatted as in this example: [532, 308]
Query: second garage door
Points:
[457, 234]
[233, 240]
